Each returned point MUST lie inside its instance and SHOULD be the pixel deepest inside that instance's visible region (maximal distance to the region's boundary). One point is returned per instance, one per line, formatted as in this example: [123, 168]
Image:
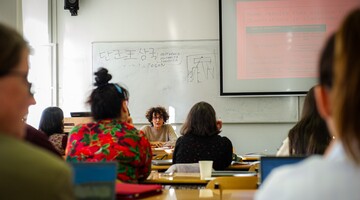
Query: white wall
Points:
[144, 20]
[10, 13]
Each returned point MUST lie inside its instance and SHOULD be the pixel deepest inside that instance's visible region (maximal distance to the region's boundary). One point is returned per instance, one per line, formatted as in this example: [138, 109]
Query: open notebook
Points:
[162, 162]
[268, 163]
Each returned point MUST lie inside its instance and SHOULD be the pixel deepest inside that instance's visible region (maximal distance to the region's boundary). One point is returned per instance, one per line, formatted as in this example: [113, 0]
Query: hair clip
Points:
[118, 88]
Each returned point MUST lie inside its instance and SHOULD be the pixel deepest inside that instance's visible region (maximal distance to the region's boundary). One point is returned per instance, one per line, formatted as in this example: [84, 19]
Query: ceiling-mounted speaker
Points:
[72, 6]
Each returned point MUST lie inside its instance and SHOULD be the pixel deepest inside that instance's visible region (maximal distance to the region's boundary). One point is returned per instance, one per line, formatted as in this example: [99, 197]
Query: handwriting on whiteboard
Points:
[199, 67]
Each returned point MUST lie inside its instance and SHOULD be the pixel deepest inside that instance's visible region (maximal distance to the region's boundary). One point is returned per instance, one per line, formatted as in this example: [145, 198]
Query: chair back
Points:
[236, 182]
[254, 167]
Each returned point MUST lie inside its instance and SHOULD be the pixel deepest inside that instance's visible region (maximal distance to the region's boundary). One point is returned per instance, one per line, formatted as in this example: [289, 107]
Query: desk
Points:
[187, 178]
[160, 168]
[175, 179]
[235, 167]
[204, 194]
[251, 157]
[70, 122]
[162, 150]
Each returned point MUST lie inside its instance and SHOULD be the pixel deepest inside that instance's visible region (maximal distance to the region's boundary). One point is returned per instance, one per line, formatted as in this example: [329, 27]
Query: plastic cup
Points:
[205, 169]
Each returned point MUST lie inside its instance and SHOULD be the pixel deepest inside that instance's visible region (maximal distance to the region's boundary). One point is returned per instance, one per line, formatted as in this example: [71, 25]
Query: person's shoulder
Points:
[145, 128]
[33, 134]
[180, 139]
[222, 138]
[38, 154]
[28, 153]
[168, 126]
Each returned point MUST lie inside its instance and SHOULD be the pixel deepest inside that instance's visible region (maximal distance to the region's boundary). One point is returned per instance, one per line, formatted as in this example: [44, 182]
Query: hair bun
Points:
[102, 77]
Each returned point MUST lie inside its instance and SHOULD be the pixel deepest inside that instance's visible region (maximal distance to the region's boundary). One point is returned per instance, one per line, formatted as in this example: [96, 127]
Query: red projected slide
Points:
[283, 38]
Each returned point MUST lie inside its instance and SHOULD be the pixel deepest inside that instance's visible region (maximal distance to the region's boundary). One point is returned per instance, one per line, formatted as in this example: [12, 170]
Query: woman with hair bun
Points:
[111, 137]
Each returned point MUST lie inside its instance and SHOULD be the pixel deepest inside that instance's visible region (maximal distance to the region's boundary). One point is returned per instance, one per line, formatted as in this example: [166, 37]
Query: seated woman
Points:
[201, 139]
[52, 123]
[111, 137]
[310, 135]
[159, 133]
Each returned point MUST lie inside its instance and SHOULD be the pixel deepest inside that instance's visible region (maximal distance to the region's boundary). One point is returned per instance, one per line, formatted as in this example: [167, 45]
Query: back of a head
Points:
[11, 46]
[309, 107]
[346, 94]
[310, 135]
[107, 98]
[52, 121]
[201, 120]
[326, 63]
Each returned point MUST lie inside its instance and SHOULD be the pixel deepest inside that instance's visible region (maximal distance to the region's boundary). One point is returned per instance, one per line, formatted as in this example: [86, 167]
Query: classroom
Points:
[268, 118]
[253, 61]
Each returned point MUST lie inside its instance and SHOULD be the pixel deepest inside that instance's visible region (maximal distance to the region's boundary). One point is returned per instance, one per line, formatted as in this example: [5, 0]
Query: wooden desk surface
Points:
[175, 179]
[180, 178]
[204, 194]
[251, 157]
[70, 122]
[240, 167]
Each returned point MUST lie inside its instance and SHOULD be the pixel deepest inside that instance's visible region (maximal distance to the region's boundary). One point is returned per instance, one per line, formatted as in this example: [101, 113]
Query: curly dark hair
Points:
[157, 111]
[106, 100]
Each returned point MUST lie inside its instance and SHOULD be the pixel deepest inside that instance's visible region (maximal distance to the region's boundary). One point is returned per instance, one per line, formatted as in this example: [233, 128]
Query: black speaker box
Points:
[72, 6]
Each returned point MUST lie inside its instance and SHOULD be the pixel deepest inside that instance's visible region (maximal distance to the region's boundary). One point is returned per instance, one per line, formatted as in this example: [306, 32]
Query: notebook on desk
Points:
[268, 163]
[232, 173]
[162, 162]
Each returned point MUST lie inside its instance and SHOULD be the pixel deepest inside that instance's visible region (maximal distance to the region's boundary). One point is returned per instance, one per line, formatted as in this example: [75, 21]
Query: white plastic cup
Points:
[206, 193]
[205, 169]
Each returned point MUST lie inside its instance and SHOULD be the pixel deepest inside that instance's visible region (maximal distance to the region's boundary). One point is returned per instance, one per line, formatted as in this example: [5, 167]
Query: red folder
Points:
[136, 191]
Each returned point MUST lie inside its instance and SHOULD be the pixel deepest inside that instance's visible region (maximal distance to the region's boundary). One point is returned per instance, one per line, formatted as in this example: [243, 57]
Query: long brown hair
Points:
[310, 135]
[201, 120]
[346, 93]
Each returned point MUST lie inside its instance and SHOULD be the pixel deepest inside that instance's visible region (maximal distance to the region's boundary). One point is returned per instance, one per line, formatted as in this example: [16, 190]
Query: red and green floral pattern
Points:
[111, 140]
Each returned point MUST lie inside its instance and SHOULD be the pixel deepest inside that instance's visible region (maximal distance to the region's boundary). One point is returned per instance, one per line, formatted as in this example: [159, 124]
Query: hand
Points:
[129, 120]
[157, 144]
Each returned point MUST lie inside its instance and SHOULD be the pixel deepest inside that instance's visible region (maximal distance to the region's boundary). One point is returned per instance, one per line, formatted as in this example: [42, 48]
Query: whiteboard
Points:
[178, 74]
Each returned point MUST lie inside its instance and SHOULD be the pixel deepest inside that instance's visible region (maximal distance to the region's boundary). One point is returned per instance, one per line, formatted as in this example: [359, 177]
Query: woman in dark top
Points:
[200, 139]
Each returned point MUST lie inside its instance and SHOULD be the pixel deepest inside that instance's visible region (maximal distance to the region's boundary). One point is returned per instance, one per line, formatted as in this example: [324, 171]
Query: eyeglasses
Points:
[157, 118]
[23, 75]
[31, 89]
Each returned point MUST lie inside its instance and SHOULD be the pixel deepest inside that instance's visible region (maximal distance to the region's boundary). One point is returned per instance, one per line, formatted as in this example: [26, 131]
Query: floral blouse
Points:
[59, 141]
[111, 140]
